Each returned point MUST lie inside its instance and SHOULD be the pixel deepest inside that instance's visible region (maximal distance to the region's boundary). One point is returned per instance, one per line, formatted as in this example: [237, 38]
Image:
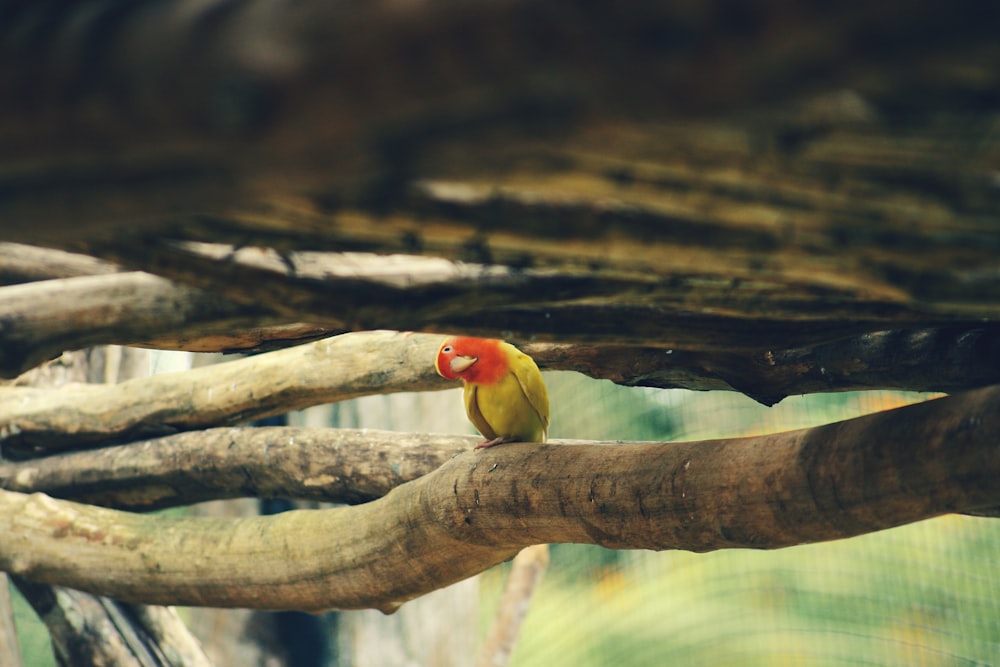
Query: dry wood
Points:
[759, 242]
[36, 420]
[526, 571]
[943, 359]
[20, 263]
[166, 629]
[88, 630]
[323, 464]
[480, 508]
[784, 199]
[705, 302]
[856, 199]
[42, 319]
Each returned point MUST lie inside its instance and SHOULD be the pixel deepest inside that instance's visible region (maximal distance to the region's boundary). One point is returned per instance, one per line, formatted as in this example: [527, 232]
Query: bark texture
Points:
[35, 421]
[774, 198]
[87, 630]
[480, 508]
[738, 185]
[322, 464]
[190, 109]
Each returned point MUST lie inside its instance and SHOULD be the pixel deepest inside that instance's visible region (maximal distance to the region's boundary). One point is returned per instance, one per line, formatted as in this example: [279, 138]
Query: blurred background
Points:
[924, 594]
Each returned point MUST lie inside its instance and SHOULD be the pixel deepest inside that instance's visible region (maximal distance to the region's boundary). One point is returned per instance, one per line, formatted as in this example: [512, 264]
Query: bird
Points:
[505, 396]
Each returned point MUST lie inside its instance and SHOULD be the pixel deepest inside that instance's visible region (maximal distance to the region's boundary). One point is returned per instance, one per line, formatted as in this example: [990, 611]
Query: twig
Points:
[526, 572]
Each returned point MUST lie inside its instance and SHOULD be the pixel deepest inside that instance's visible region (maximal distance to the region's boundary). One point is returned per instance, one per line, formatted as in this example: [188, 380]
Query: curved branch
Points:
[33, 421]
[91, 631]
[338, 291]
[20, 263]
[38, 421]
[41, 319]
[480, 508]
[941, 359]
[324, 464]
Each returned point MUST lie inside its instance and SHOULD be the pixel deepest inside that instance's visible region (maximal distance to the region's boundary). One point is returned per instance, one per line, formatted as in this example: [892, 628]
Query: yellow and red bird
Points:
[505, 396]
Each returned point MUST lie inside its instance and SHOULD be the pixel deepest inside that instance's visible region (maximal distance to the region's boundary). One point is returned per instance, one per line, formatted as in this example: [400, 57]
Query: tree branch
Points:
[717, 307]
[166, 629]
[337, 291]
[706, 351]
[88, 630]
[944, 359]
[33, 421]
[480, 508]
[44, 318]
[526, 571]
[20, 263]
[342, 466]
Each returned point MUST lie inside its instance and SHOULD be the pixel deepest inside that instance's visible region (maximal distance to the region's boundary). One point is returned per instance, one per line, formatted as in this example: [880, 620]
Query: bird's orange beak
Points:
[460, 363]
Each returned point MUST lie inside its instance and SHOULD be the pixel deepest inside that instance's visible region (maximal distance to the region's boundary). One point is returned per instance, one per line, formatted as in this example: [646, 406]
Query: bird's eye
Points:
[446, 348]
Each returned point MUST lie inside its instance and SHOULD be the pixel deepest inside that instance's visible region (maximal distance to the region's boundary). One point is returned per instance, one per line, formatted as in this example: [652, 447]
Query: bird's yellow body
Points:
[505, 396]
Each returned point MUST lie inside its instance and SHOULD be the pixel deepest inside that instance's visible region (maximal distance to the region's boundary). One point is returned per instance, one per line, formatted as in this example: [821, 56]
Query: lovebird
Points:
[505, 396]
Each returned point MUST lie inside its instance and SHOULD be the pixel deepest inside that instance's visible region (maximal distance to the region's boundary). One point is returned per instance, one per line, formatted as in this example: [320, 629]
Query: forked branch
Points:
[480, 508]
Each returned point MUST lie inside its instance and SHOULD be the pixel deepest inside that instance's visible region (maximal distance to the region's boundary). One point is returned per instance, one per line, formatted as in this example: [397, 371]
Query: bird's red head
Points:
[478, 360]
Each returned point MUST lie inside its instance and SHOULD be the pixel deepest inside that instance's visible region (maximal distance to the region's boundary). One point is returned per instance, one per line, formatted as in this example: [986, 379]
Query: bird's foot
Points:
[496, 441]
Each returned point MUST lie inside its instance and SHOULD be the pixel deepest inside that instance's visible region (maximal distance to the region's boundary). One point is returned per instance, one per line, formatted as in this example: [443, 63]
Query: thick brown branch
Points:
[406, 292]
[946, 359]
[36, 421]
[219, 336]
[479, 508]
[332, 465]
[21, 263]
[87, 630]
[710, 351]
[345, 290]
[41, 319]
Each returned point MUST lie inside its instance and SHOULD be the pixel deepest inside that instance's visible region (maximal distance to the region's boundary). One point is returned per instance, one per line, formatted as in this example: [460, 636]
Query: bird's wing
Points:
[475, 414]
[530, 379]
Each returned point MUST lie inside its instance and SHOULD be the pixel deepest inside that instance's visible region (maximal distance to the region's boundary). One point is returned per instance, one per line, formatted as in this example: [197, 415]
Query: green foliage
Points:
[925, 594]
